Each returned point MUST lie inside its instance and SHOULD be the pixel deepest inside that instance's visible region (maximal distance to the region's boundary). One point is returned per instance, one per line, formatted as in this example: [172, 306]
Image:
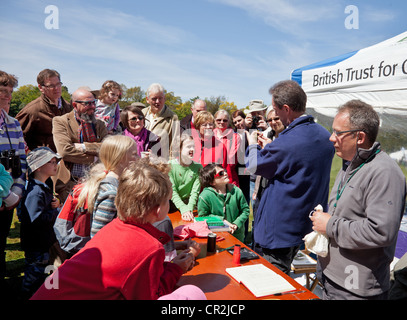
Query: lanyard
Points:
[340, 190]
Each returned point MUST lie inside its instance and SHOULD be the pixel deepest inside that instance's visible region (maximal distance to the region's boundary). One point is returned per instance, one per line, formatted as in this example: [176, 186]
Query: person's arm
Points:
[384, 198]
[244, 209]
[105, 210]
[176, 198]
[196, 188]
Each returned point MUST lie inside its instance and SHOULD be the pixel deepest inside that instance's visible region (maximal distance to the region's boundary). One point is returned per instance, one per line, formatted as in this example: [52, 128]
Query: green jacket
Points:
[185, 185]
[233, 207]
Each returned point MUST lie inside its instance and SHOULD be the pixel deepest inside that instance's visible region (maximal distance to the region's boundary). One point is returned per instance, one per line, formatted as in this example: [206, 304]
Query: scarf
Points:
[141, 139]
[86, 133]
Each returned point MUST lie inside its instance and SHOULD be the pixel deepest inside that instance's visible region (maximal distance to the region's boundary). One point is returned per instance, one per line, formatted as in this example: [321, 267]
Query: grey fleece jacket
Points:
[364, 225]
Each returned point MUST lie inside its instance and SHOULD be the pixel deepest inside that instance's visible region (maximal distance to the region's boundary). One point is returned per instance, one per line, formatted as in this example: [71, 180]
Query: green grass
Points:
[14, 261]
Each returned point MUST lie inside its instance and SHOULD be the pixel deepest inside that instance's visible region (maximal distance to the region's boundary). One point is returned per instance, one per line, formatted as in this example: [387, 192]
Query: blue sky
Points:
[233, 48]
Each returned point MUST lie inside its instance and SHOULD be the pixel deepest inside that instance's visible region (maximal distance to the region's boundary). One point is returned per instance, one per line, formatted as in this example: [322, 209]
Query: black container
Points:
[211, 246]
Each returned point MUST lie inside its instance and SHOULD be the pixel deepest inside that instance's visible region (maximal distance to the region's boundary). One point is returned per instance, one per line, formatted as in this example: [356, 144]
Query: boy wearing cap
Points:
[38, 213]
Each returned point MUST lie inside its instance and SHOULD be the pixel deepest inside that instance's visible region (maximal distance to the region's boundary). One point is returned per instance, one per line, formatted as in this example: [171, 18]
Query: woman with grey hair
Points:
[231, 140]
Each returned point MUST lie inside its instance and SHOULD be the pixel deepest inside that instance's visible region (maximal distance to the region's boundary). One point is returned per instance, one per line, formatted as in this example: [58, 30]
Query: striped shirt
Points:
[11, 137]
[104, 210]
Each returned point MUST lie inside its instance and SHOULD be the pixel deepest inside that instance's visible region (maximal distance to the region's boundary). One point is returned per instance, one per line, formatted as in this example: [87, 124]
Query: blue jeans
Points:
[34, 272]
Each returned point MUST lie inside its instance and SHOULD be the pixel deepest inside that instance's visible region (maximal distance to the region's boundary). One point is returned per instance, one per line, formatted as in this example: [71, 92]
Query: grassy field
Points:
[15, 257]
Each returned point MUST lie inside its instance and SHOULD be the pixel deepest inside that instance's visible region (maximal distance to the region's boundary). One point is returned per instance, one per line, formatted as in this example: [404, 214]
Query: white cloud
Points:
[287, 16]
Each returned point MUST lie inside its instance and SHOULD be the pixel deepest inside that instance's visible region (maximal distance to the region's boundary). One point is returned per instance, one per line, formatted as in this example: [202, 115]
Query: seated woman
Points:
[133, 120]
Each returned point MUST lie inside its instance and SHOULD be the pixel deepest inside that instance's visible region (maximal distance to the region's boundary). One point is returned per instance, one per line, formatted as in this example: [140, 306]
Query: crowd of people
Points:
[136, 165]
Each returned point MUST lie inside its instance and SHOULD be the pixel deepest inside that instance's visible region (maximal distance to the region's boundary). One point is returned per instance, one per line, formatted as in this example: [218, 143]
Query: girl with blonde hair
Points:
[100, 186]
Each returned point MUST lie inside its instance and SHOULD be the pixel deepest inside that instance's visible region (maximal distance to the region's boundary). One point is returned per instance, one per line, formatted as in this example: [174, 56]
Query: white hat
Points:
[255, 105]
[40, 156]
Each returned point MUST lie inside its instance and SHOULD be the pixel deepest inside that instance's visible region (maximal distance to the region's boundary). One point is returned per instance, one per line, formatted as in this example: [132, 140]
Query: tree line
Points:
[27, 93]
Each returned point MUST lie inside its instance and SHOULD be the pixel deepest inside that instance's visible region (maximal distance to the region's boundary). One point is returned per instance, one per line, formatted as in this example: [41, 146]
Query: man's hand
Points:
[319, 221]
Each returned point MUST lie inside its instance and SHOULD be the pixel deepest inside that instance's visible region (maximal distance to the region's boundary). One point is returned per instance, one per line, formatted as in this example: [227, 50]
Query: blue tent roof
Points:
[296, 75]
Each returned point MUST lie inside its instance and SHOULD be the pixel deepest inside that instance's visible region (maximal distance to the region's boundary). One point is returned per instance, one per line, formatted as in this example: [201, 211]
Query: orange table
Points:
[209, 271]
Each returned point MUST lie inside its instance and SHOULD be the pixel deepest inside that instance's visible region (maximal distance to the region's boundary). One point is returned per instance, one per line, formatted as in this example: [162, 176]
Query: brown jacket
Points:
[65, 132]
[36, 121]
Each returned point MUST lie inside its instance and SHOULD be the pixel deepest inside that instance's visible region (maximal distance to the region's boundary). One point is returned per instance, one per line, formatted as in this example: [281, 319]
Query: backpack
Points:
[72, 227]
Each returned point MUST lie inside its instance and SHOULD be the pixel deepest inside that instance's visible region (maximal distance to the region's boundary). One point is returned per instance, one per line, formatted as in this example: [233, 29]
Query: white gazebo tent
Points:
[376, 75]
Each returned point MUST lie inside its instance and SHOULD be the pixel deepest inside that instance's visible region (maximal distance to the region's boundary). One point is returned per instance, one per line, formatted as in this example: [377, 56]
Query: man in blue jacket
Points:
[297, 165]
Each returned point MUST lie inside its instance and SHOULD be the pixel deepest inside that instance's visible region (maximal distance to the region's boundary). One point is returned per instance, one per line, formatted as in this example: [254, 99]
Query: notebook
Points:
[260, 280]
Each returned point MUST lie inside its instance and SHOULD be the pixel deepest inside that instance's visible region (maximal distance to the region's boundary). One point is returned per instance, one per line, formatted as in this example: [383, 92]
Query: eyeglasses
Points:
[53, 86]
[207, 125]
[338, 133]
[222, 120]
[136, 118]
[273, 119]
[86, 103]
[220, 174]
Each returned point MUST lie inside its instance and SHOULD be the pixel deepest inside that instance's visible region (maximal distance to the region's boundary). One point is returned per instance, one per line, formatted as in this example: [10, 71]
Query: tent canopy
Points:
[376, 75]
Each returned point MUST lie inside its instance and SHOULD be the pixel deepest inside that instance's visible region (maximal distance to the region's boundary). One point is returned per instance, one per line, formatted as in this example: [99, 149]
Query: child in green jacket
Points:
[221, 198]
[184, 176]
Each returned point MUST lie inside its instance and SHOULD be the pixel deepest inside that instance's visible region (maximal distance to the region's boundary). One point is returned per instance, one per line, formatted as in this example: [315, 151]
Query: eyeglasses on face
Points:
[86, 103]
[339, 133]
[220, 174]
[53, 86]
[222, 120]
[136, 118]
[207, 125]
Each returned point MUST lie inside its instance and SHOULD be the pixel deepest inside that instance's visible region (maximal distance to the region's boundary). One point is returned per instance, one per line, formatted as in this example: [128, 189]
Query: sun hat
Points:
[40, 156]
[255, 105]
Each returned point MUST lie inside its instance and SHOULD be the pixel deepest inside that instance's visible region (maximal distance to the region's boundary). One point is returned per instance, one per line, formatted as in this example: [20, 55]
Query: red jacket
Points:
[214, 151]
[122, 261]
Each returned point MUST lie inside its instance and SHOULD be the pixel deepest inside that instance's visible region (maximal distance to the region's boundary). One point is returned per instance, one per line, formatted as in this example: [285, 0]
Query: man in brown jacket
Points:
[36, 117]
[77, 137]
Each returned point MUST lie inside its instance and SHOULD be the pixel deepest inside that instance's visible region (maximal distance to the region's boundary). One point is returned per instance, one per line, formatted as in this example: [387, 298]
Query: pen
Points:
[289, 292]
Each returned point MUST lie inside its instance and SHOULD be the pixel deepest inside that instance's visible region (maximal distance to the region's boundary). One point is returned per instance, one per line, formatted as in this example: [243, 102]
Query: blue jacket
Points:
[298, 166]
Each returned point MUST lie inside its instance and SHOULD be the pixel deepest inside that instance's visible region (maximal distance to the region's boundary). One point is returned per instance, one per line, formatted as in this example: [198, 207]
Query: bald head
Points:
[199, 105]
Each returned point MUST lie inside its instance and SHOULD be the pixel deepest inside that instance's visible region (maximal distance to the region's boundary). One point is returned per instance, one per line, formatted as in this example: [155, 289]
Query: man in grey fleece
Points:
[365, 209]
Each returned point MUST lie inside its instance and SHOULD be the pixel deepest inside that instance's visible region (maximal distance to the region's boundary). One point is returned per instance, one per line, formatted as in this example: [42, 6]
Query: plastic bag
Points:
[317, 242]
